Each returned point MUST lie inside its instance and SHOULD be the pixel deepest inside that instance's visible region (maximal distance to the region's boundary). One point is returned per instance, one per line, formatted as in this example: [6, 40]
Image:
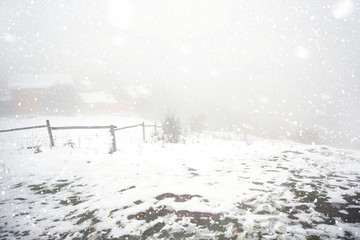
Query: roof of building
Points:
[97, 97]
[30, 81]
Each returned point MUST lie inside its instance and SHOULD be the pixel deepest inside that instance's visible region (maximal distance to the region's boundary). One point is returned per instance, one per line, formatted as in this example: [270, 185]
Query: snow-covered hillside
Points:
[205, 188]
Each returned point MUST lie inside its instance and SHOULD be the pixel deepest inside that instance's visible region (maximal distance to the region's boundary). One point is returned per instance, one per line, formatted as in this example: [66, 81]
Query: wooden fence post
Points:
[50, 133]
[143, 126]
[155, 129]
[112, 131]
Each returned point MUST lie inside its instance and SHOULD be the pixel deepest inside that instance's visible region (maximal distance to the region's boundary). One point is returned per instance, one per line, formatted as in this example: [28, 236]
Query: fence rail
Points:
[23, 128]
[132, 126]
[112, 129]
[79, 127]
[153, 126]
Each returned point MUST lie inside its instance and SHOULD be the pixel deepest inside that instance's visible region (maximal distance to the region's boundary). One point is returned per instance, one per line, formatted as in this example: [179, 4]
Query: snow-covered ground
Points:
[205, 188]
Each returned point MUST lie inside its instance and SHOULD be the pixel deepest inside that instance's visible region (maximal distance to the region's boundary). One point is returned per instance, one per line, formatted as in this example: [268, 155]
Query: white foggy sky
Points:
[265, 63]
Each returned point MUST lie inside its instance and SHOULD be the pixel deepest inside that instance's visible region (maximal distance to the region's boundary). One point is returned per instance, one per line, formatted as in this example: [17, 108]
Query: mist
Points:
[273, 68]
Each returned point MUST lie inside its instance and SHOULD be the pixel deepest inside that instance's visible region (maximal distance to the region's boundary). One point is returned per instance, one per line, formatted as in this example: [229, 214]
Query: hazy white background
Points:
[278, 66]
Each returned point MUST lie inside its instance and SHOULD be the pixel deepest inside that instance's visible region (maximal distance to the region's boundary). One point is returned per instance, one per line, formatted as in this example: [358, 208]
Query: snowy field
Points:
[205, 188]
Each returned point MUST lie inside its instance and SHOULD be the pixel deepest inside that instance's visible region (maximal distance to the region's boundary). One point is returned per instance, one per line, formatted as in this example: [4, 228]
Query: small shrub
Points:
[171, 129]
[70, 143]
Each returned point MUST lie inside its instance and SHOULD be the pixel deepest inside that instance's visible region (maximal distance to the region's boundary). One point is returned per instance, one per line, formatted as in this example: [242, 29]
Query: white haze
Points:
[277, 66]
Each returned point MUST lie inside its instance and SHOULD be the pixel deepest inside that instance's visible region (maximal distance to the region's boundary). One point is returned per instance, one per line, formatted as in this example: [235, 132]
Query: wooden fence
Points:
[112, 130]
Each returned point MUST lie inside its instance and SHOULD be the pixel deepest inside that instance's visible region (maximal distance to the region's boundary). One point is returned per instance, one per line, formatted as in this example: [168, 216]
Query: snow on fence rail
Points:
[112, 129]
[24, 128]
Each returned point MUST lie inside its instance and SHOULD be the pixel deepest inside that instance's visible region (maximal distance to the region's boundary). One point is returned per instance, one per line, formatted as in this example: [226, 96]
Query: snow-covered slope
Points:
[203, 188]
